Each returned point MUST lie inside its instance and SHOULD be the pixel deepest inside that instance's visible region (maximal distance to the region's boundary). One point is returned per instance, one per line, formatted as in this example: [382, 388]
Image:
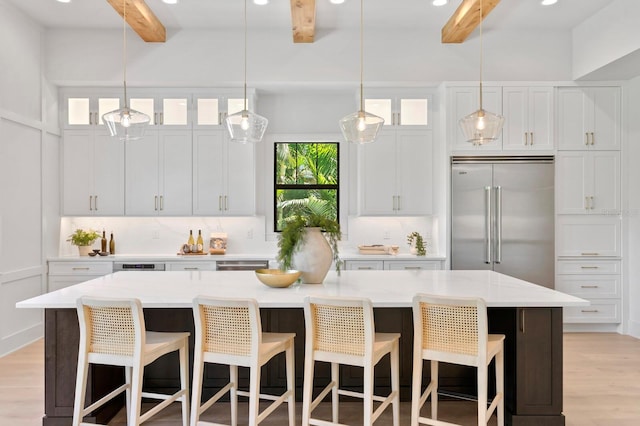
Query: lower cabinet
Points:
[65, 274]
[393, 265]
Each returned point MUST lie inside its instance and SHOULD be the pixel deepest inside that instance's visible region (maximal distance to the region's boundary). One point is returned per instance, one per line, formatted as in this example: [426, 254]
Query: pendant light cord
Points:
[481, 55]
[361, 55]
[245, 55]
[124, 49]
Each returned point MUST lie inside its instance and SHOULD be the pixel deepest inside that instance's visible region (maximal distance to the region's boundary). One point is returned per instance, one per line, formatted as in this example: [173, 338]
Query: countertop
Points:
[385, 289]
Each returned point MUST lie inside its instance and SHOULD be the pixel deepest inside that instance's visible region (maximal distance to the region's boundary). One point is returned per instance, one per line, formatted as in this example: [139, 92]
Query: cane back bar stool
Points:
[112, 332]
[342, 331]
[229, 331]
[454, 330]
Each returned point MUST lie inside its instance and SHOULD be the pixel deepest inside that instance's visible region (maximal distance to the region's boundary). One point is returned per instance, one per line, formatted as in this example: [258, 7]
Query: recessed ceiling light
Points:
[170, 1]
[261, 2]
[64, 1]
[336, 1]
[548, 2]
[440, 2]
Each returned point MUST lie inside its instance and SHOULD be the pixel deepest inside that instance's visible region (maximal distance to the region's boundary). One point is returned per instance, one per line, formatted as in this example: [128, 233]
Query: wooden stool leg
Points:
[395, 383]
[367, 390]
[136, 394]
[500, 385]
[482, 394]
[196, 388]
[81, 389]
[307, 388]
[128, 371]
[254, 394]
[434, 390]
[335, 397]
[416, 389]
[233, 394]
[291, 383]
[184, 382]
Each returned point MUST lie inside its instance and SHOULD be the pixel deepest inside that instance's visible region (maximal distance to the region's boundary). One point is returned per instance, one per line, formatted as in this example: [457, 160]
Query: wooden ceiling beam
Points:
[142, 19]
[465, 19]
[303, 20]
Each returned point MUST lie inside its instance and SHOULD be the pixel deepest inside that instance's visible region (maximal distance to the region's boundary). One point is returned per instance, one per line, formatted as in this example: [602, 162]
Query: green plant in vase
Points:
[83, 239]
[414, 239]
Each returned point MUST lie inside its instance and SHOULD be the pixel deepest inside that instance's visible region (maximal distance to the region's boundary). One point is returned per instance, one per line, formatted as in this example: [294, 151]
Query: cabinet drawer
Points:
[191, 266]
[588, 236]
[590, 286]
[80, 268]
[591, 267]
[396, 265]
[360, 265]
[600, 311]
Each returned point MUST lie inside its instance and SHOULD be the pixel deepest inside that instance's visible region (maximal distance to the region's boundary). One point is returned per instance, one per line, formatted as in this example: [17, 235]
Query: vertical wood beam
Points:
[303, 20]
[465, 19]
[142, 19]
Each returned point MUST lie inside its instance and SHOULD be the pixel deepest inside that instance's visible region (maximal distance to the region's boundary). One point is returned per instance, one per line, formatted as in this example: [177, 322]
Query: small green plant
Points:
[419, 243]
[290, 240]
[83, 238]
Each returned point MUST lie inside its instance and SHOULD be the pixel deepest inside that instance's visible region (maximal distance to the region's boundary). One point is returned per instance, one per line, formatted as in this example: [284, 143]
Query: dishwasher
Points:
[241, 265]
[138, 266]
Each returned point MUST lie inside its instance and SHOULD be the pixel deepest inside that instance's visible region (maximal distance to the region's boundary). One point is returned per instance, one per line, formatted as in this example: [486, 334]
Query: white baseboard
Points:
[591, 328]
[19, 340]
[634, 329]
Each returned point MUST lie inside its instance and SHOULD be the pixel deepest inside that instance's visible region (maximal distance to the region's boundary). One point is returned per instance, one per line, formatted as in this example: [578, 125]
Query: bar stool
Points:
[454, 330]
[342, 331]
[229, 331]
[112, 332]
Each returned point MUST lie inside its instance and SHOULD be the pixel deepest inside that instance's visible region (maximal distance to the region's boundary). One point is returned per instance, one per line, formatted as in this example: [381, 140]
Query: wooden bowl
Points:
[277, 278]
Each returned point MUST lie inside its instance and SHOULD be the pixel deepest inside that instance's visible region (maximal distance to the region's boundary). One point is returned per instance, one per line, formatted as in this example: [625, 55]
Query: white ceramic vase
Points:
[85, 250]
[314, 257]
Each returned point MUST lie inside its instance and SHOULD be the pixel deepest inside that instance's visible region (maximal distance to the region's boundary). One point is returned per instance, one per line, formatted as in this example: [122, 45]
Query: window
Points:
[306, 180]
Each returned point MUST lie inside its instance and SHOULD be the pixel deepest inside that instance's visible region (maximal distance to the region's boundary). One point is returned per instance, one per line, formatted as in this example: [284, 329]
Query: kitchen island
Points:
[529, 315]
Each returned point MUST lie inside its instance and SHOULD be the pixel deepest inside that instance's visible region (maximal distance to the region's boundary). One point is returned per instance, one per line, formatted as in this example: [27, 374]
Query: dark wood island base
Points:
[533, 362]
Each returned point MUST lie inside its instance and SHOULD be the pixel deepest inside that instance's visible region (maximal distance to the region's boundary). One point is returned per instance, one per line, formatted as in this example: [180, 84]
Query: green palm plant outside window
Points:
[306, 181]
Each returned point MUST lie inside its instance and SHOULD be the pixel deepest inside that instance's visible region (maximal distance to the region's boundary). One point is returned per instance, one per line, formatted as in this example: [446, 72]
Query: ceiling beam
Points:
[303, 20]
[465, 19]
[142, 19]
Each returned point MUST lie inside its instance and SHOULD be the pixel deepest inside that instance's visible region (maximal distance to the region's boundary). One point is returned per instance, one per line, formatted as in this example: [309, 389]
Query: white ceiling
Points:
[508, 14]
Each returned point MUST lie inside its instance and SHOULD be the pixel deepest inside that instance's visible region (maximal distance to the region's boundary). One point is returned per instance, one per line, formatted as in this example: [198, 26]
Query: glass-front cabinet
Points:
[211, 108]
[399, 107]
[84, 110]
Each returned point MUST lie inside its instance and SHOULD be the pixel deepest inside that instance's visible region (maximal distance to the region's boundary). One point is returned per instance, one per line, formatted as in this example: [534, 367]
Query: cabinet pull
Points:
[90, 207]
[399, 121]
[591, 202]
[193, 268]
[526, 138]
[220, 202]
[364, 268]
[162, 118]
[590, 254]
[79, 268]
[226, 203]
[588, 267]
[589, 311]
[95, 202]
[588, 286]
[155, 203]
[586, 138]
[413, 268]
[593, 139]
[586, 202]
[162, 202]
[522, 317]
[531, 142]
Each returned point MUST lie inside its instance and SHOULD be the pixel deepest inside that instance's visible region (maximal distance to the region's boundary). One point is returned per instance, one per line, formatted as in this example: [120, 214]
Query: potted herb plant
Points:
[416, 242]
[83, 239]
[302, 245]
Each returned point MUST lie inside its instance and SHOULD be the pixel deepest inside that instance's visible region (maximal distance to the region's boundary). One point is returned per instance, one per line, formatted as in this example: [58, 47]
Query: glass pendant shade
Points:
[126, 124]
[481, 126]
[361, 127]
[246, 126]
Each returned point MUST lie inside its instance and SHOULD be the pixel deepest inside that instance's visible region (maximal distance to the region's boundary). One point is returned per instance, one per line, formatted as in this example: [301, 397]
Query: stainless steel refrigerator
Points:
[502, 216]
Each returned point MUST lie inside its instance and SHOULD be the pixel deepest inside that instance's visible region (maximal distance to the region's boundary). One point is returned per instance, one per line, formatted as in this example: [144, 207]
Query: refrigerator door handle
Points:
[487, 224]
[498, 224]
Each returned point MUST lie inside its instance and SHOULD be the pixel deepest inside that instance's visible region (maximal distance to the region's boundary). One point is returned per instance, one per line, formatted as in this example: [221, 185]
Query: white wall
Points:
[28, 175]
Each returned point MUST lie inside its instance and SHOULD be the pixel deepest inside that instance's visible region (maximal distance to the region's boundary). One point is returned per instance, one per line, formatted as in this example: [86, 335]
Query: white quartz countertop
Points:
[344, 255]
[176, 289]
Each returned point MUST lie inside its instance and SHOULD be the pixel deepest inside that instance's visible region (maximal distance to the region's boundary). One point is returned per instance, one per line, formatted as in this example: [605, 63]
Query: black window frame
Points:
[277, 186]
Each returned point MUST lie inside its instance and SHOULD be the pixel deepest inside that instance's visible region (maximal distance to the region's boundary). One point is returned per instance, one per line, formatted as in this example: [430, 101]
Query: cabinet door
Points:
[588, 236]
[108, 175]
[402, 265]
[240, 195]
[606, 182]
[142, 168]
[516, 122]
[540, 118]
[573, 183]
[77, 172]
[414, 172]
[208, 172]
[363, 265]
[175, 182]
[466, 100]
[378, 175]
[605, 117]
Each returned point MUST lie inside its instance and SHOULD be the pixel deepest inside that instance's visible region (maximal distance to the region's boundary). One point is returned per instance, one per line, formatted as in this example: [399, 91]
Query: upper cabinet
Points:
[84, 109]
[396, 174]
[462, 101]
[170, 110]
[400, 108]
[528, 113]
[224, 176]
[589, 118]
[212, 108]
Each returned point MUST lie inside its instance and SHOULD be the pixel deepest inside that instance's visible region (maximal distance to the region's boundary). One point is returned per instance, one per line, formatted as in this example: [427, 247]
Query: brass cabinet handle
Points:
[220, 202]
[593, 139]
[590, 254]
[95, 202]
[226, 203]
[78, 268]
[522, 317]
[591, 202]
[193, 268]
[155, 203]
[90, 208]
[586, 202]
[586, 138]
[531, 134]
[589, 310]
[526, 138]
[588, 267]
[364, 268]
[409, 268]
[588, 286]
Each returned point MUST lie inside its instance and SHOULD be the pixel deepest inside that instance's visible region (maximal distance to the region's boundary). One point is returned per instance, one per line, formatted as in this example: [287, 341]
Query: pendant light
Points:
[481, 126]
[361, 127]
[246, 126]
[126, 123]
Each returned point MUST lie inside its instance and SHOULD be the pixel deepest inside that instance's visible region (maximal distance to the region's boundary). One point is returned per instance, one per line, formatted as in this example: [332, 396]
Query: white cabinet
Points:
[588, 236]
[463, 101]
[528, 113]
[92, 173]
[224, 177]
[166, 109]
[212, 107]
[598, 281]
[396, 175]
[588, 182]
[393, 265]
[83, 109]
[65, 274]
[403, 108]
[159, 174]
[589, 118]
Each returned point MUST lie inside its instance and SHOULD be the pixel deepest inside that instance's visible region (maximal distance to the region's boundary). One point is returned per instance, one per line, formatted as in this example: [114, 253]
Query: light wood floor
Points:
[601, 388]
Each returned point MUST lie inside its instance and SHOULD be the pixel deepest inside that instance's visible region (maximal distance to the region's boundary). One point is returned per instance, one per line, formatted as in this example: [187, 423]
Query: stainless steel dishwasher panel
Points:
[241, 265]
[138, 266]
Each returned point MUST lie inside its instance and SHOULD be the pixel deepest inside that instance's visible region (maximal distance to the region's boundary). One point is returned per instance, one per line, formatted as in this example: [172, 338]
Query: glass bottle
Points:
[112, 245]
[103, 242]
[200, 242]
[190, 242]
